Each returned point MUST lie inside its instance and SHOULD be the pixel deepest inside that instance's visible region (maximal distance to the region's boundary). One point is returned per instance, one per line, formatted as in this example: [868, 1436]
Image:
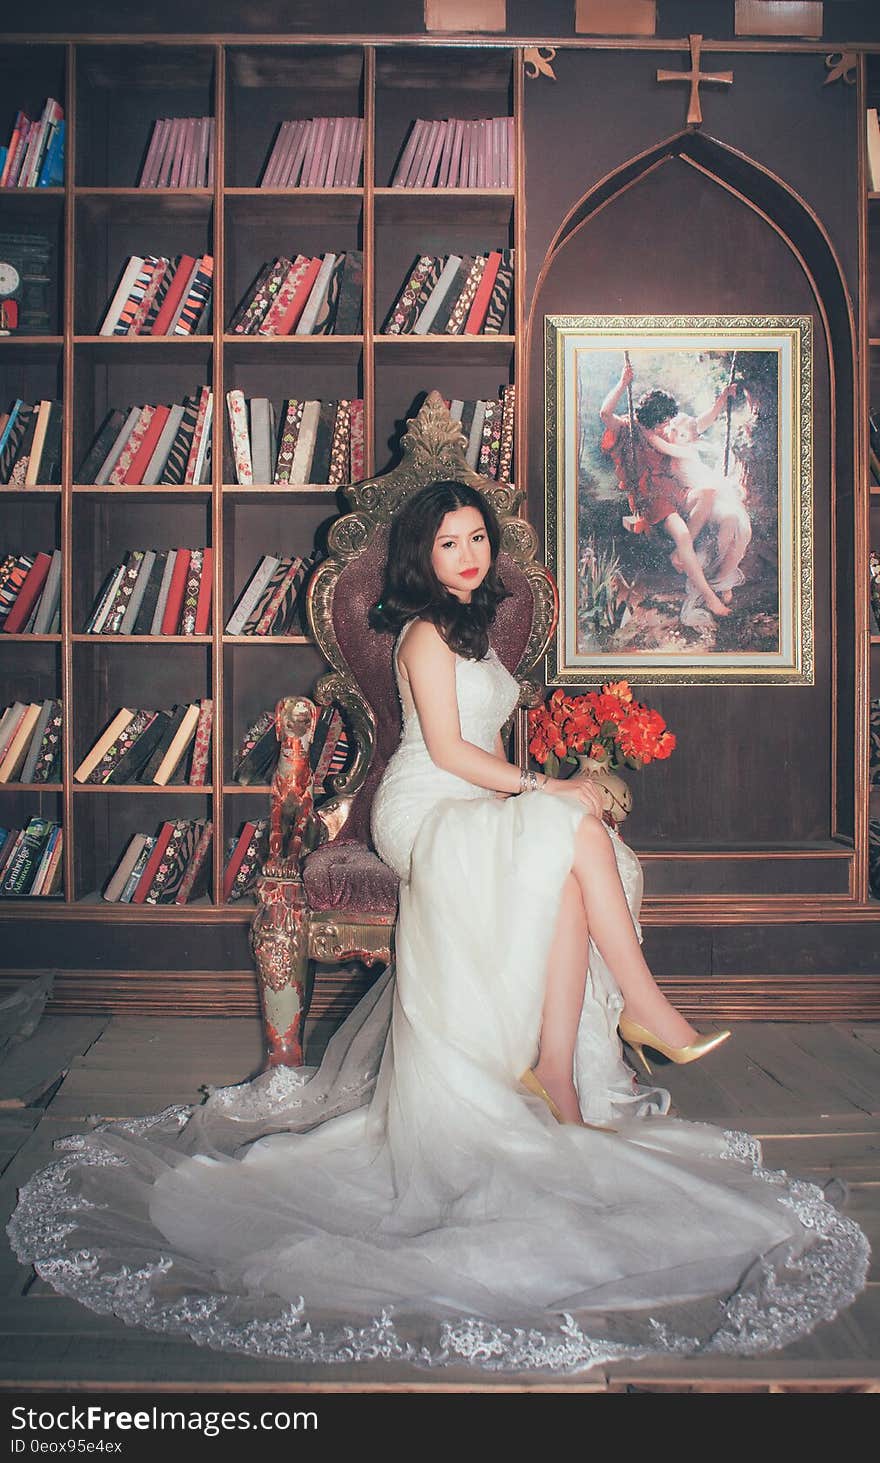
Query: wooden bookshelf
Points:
[112, 89]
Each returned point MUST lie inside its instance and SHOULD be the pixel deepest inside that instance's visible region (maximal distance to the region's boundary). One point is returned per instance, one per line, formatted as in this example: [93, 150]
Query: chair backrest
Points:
[349, 582]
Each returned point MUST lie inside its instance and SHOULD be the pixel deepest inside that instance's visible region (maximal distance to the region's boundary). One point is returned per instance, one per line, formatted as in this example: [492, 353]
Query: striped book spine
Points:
[277, 595]
[267, 595]
[500, 295]
[141, 295]
[196, 864]
[174, 470]
[197, 298]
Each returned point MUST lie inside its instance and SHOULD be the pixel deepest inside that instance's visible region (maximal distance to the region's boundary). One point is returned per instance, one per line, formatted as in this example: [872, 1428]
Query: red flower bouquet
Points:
[608, 726]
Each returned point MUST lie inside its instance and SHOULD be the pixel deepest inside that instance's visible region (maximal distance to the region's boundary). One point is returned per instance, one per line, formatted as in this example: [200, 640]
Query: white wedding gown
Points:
[408, 1201]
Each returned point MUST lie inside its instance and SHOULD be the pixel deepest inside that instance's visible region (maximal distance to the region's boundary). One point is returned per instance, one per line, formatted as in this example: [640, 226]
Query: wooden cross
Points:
[695, 76]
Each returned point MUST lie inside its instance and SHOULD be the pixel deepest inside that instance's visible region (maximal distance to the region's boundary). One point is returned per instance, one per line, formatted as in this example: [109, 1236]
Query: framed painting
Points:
[679, 498]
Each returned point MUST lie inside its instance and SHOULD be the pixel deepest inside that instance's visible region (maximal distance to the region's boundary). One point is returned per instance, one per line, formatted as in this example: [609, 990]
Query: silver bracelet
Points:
[528, 780]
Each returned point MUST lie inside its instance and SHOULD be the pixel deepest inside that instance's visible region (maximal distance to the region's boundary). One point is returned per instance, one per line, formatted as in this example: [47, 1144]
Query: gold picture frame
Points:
[679, 498]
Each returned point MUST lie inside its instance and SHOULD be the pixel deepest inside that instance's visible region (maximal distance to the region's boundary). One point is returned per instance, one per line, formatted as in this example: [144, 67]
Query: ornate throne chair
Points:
[325, 896]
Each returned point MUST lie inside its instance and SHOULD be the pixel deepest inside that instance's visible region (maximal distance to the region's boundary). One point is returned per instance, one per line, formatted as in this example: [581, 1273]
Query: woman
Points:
[472, 1174]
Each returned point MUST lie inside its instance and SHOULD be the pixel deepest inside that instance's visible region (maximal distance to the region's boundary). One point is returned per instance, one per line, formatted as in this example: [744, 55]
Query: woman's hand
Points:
[582, 788]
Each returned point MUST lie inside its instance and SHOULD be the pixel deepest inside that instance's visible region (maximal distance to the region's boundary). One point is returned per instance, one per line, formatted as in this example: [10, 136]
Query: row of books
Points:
[180, 154]
[158, 295]
[30, 593]
[173, 866]
[321, 295]
[457, 153]
[321, 152]
[257, 755]
[30, 742]
[168, 444]
[30, 859]
[488, 428]
[30, 443]
[272, 596]
[156, 592]
[311, 441]
[158, 747]
[453, 294]
[34, 155]
[874, 572]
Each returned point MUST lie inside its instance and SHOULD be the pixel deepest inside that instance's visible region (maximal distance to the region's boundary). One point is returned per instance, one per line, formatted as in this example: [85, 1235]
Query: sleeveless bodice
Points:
[412, 783]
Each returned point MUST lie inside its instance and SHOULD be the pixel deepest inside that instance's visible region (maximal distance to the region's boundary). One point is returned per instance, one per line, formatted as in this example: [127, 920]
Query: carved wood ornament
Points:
[695, 76]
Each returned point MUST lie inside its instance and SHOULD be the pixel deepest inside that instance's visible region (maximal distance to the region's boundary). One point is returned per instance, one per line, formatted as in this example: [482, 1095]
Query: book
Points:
[201, 431]
[116, 613]
[50, 598]
[425, 322]
[137, 872]
[174, 295]
[349, 307]
[172, 868]
[201, 755]
[102, 476]
[262, 422]
[301, 466]
[287, 440]
[191, 593]
[174, 471]
[485, 284]
[155, 467]
[36, 741]
[162, 596]
[48, 876]
[130, 271]
[13, 758]
[404, 312]
[169, 725]
[257, 302]
[240, 441]
[150, 869]
[257, 765]
[120, 748]
[176, 588]
[19, 872]
[290, 299]
[873, 150]
[198, 870]
[118, 879]
[28, 594]
[48, 762]
[250, 594]
[273, 613]
[95, 623]
[243, 866]
[129, 619]
[498, 300]
[147, 435]
[103, 744]
[107, 434]
[307, 319]
[147, 608]
[206, 588]
[320, 466]
[267, 594]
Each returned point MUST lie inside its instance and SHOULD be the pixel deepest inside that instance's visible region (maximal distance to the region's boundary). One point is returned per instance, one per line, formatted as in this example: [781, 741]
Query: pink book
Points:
[207, 139]
[166, 167]
[273, 166]
[436, 154]
[293, 159]
[308, 151]
[357, 162]
[455, 154]
[211, 153]
[318, 162]
[187, 151]
[336, 130]
[446, 155]
[154, 153]
[510, 152]
[424, 155]
[474, 157]
[404, 167]
[349, 164]
[163, 158]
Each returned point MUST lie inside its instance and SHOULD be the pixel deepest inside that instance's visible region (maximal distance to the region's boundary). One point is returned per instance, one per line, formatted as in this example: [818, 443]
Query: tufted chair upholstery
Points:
[339, 902]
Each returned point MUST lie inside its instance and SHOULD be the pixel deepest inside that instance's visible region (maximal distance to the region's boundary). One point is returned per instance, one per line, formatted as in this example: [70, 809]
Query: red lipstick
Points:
[469, 573]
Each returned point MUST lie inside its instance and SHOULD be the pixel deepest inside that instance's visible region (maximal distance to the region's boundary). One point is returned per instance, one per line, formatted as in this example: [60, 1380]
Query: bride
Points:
[473, 1173]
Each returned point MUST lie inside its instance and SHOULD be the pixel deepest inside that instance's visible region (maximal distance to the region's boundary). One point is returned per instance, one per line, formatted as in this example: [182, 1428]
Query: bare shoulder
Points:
[423, 645]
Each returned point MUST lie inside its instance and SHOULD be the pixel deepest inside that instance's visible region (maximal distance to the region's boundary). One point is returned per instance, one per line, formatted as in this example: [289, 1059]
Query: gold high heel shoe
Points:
[638, 1037]
[531, 1084]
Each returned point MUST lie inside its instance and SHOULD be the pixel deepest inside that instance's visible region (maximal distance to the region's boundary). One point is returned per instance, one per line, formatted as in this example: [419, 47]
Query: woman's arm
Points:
[606, 410]
[669, 449]
[429, 666]
[705, 421]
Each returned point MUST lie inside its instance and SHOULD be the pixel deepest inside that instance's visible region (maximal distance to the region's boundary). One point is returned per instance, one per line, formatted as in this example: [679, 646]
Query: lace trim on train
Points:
[780, 1305]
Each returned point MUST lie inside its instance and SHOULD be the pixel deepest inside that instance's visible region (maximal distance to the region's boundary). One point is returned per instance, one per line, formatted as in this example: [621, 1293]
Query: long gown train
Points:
[407, 1200]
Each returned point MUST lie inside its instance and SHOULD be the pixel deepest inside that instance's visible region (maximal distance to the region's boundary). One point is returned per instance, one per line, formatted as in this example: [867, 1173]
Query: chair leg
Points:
[280, 945]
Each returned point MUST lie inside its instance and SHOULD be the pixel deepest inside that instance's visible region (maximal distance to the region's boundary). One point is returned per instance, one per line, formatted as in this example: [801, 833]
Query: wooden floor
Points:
[811, 1092]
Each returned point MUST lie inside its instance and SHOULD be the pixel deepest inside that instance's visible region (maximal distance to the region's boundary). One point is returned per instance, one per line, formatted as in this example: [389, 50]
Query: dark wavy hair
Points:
[656, 407]
[412, 590]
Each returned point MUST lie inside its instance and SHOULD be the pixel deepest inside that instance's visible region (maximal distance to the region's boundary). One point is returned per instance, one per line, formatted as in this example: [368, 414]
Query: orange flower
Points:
[621, 689]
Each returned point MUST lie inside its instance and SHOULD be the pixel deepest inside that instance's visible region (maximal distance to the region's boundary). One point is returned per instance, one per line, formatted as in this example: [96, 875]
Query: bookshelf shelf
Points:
[32, 193]
[80, 638]
[14, 490]
[180, 788]
[138, 493]
[271, 491]
[269, 640]
[31, 342]
[36, 787]
[30, 639]
[202, 195]
[233, 789]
